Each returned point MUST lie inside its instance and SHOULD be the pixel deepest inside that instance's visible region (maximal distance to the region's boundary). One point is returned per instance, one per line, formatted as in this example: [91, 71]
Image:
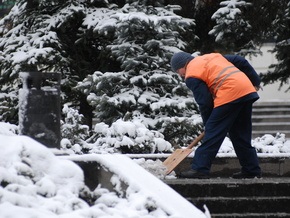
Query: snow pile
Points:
[155, 167]
[33, 179]
[271, 144]
[36, 183]
[227, 146]
[144, 189]
[266, 144]
[8, 129]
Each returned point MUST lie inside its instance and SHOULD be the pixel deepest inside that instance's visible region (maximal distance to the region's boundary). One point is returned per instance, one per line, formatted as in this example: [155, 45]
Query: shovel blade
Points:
[175, 158]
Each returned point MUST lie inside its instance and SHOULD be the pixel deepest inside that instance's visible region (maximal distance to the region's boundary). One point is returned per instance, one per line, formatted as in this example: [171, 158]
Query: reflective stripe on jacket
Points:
[226, 82]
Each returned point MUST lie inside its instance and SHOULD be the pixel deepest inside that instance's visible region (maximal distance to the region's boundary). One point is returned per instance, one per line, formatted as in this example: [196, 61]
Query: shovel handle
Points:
[195, 141]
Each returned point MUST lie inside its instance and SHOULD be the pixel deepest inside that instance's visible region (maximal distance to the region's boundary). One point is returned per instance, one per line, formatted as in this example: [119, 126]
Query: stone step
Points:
[271, 118]
[271, 111]
[224, 166]
[226, 197]
[271, 104]
[251, 215]
[268, 196]
[229, 187]
[278, 126]
[267, 204]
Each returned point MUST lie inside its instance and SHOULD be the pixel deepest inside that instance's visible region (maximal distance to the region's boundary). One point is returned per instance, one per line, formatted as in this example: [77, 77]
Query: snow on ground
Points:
[36, 183]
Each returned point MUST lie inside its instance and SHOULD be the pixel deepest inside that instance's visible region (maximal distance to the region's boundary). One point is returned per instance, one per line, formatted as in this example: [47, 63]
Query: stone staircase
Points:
[270, 118]
[268, 196]
[226, 197]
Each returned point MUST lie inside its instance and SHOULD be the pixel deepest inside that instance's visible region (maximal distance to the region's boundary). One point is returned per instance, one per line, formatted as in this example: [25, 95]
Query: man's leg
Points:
[241, 135]
[216, 129]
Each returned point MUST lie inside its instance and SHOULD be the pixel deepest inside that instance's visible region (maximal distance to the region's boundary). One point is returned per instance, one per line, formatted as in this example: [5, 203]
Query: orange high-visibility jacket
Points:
[226, 82]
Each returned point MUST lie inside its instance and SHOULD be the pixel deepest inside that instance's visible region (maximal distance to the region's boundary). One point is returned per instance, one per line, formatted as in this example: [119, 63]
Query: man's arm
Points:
[202, 97]
[243, 65]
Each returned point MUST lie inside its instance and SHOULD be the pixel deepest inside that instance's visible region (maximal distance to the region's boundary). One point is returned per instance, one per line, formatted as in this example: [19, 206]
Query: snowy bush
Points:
[180, 132]
[8, 108]
[129, 137]
[72, 129]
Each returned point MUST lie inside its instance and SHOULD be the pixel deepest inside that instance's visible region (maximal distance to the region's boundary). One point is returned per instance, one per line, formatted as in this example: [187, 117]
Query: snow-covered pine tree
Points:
[233, 31]
[52, 36]
[32, 40]
[281, 30]
[72, 128]
[147, 33]
[78, 38]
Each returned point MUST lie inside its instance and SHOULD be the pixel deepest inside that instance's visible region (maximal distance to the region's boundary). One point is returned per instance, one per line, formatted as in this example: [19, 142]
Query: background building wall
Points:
[261, 64]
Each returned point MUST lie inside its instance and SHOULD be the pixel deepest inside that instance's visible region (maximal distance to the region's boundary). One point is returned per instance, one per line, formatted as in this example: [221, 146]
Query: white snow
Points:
[36, 183]
[144, 187]
[138, 135]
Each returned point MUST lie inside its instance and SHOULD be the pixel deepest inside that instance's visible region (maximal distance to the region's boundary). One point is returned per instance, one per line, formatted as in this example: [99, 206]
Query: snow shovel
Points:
[180, 154]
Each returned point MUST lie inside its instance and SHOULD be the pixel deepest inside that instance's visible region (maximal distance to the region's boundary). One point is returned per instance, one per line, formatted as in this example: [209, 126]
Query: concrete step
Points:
[226, 197]
[271, 118]
[271, 104]
[268, 196]
[251, 215]
[278, 126]
[271, 111]
[240, 205]
[224, 166]
[229, 187]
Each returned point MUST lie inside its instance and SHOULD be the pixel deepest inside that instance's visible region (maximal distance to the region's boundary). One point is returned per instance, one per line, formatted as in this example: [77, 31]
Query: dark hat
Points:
[179, 60]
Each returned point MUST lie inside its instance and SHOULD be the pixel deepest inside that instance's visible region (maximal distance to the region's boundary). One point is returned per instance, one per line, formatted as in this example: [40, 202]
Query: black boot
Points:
[193, 174]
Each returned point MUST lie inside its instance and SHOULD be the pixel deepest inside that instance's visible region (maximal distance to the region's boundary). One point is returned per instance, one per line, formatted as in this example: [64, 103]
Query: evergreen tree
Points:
[122, 47]
[53, 36]
[5, 6]
[202, 13]
[281, 29]
[31, 41]
[146, 90]
[72, 128]
[233, 31]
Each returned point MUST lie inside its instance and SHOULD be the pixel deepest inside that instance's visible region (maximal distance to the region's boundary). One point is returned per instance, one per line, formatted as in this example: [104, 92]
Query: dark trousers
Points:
[235, 119]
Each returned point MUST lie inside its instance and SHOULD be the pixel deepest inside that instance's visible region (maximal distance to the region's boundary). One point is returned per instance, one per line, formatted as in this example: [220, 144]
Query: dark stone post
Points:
[39, 107]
